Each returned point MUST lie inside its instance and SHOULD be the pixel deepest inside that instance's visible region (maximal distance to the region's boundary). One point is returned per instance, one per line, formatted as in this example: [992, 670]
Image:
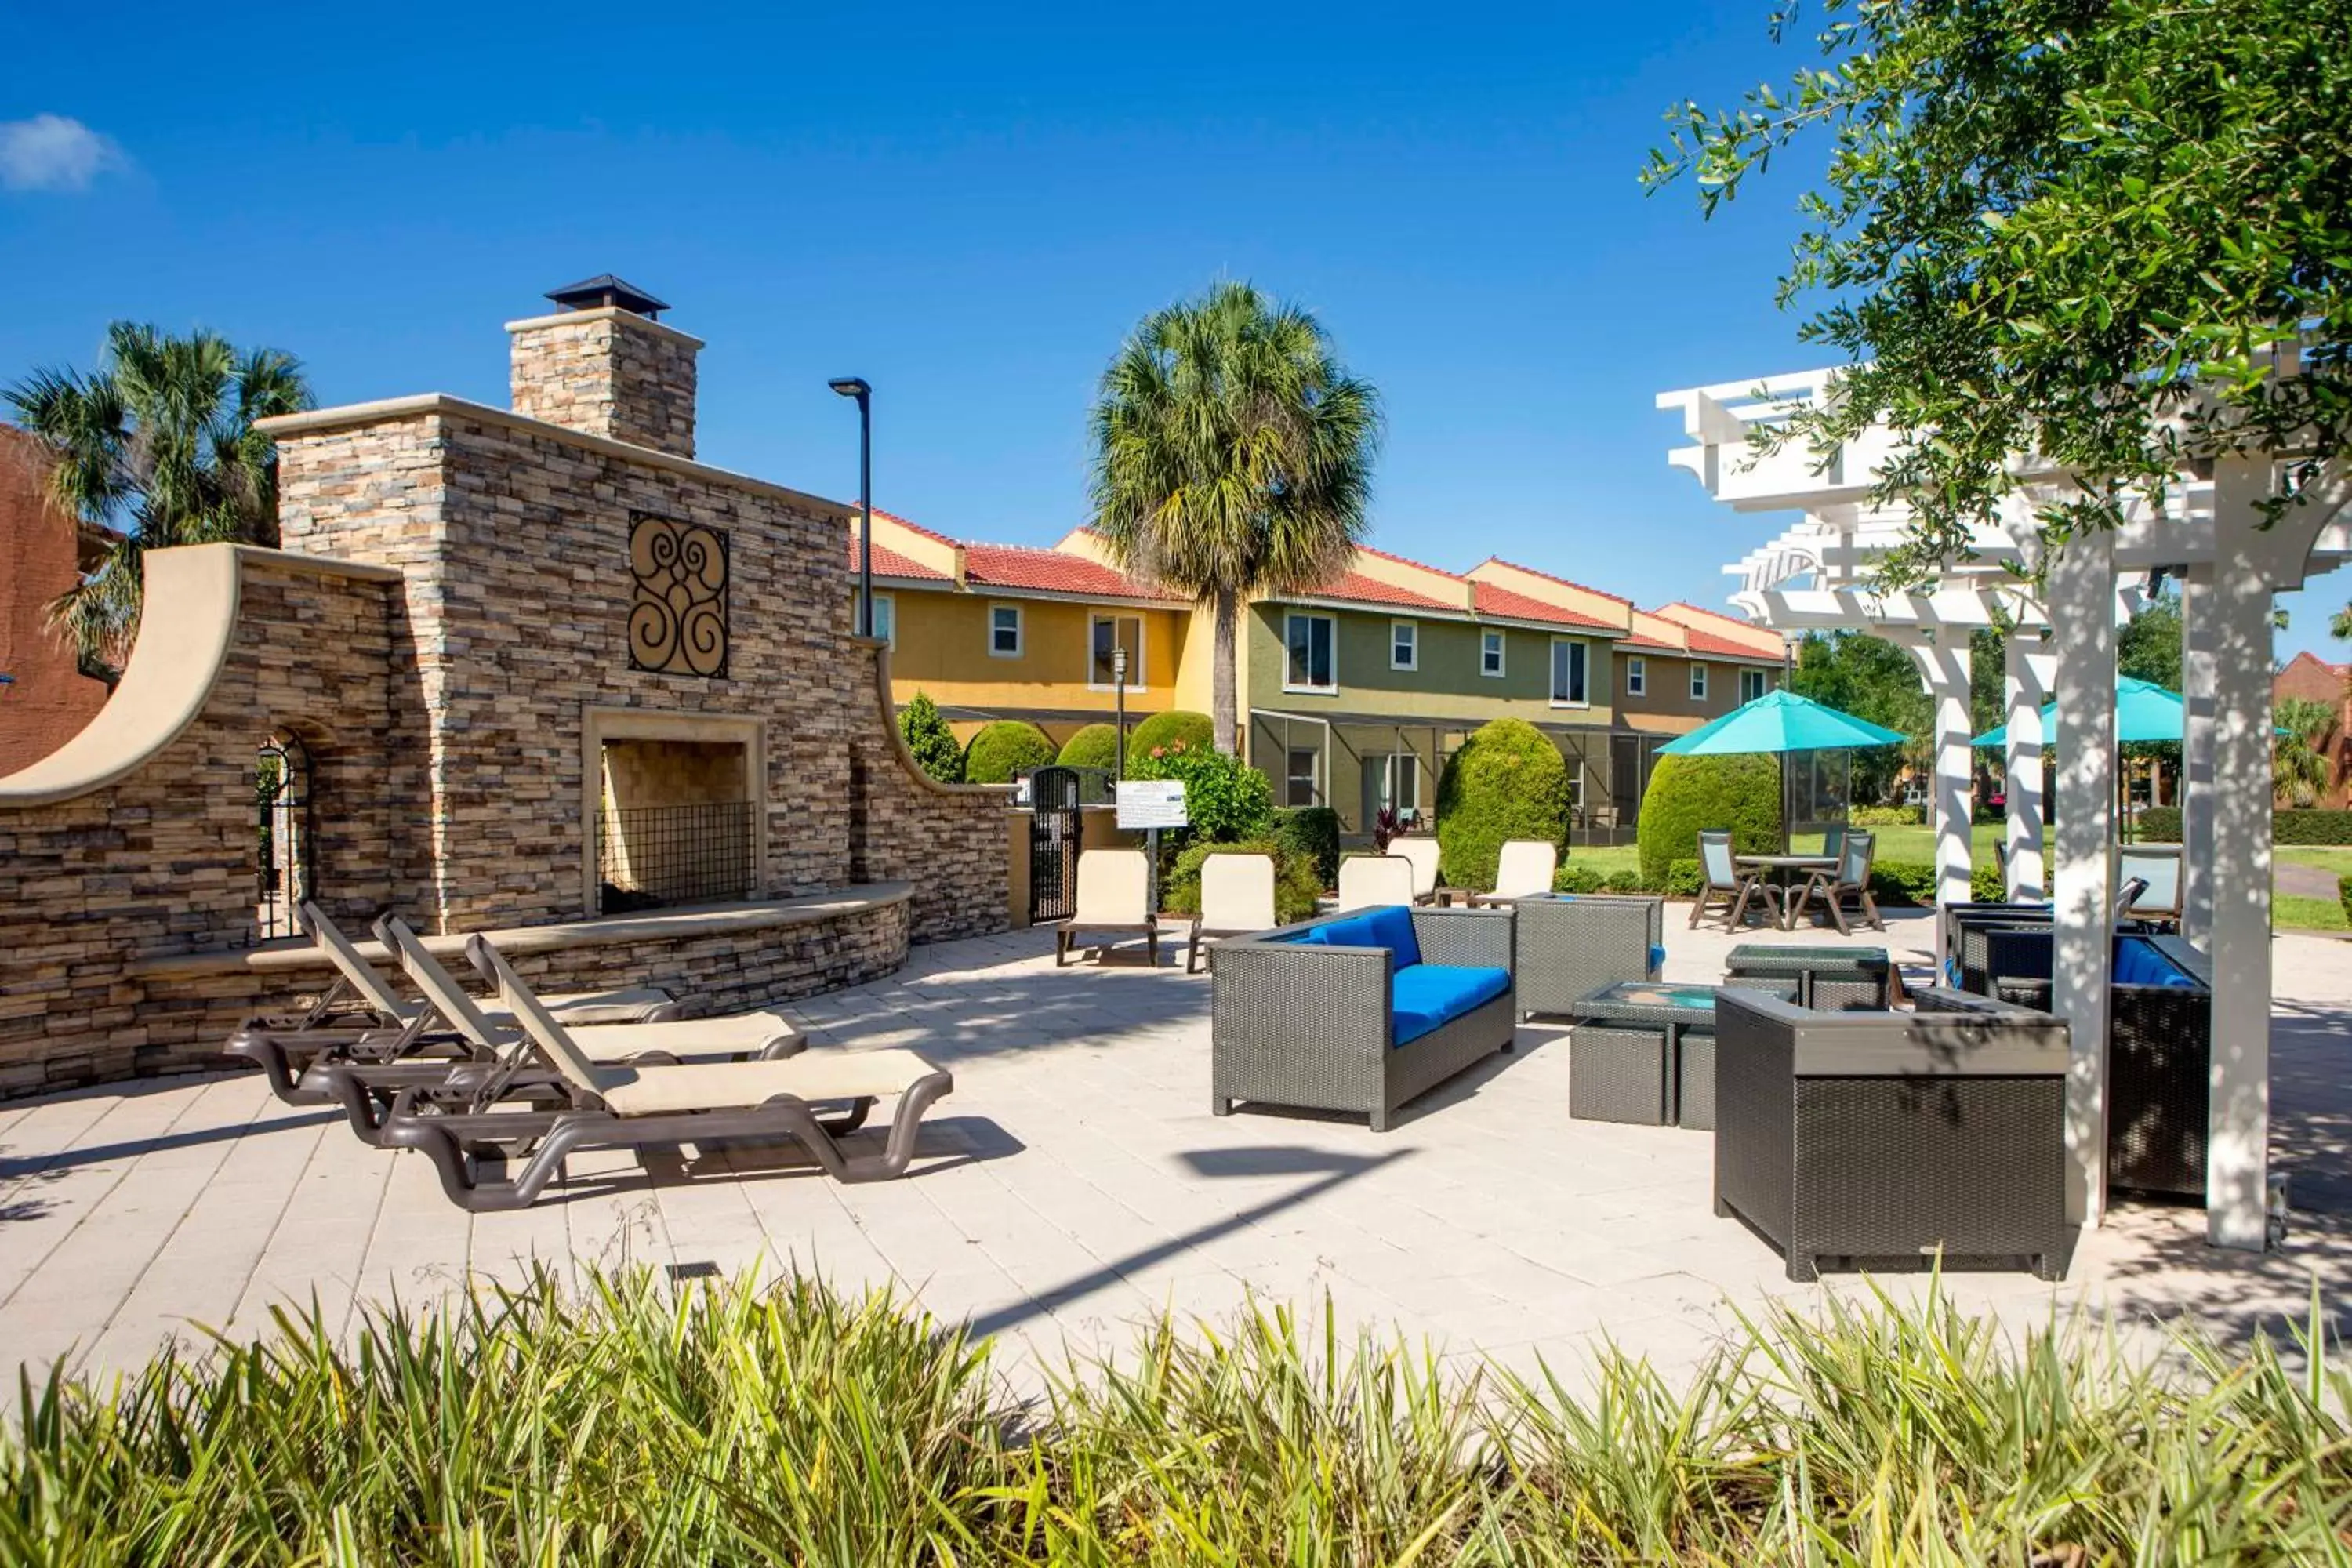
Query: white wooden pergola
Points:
[1816, 576]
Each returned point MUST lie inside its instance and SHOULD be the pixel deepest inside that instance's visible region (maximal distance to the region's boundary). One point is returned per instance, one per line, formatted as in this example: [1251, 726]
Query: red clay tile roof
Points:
[1714, 646]
[1563, 582]
[1355, 587]
[1498, 601]
[1640, 643]
[913, 527]
[889, 562]
[1047, 571]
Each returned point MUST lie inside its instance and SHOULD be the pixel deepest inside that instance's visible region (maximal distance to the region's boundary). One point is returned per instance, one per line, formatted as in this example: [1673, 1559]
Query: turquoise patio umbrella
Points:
[1781, 722]
[2144, 711]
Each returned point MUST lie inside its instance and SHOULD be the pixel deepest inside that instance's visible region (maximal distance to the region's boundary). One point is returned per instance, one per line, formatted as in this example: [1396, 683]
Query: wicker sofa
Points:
[1569, 945]
[2159, 1048]
[1863, 1135]
[1362, 1011]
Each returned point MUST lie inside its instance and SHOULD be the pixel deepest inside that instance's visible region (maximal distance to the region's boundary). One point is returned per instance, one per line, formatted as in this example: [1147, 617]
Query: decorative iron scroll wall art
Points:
[677, 620]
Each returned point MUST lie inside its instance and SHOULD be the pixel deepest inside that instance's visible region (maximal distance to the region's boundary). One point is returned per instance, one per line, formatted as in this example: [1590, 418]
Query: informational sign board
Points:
[1145, 803]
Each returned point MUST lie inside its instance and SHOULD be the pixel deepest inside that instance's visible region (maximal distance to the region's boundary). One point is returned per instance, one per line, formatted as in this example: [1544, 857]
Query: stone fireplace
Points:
[675, 820]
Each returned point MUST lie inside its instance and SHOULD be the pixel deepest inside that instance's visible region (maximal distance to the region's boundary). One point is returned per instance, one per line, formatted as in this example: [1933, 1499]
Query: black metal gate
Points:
[281, 799]
[1055, 795]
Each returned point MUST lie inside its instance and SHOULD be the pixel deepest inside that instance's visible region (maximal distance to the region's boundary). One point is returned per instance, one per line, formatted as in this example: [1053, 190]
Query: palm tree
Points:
[2300, 766]
[1232, 456]
[157, 446]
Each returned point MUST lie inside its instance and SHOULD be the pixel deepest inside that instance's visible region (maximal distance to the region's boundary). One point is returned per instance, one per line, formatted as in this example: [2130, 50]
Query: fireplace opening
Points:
[675, 826]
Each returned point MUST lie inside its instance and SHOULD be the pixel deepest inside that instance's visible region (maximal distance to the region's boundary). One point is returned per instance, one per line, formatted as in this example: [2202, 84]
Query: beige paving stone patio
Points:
[1076, 1183]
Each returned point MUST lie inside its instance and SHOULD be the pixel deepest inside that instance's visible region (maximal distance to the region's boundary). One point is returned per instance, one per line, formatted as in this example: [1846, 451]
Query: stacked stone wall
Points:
[607, 372]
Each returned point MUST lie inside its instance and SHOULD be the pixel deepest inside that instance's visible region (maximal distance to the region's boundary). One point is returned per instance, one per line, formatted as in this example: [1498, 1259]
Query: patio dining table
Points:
[1787, 868]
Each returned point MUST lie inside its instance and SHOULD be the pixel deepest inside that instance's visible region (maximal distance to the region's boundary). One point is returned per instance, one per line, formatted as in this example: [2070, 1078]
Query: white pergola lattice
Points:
[1816, 574]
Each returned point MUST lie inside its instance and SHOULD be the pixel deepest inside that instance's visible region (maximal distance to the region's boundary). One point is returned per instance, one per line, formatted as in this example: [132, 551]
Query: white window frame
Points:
[1762, 679]
[1698, 681]
[1134, 666]
[1553, 673]
[885, 611]
[1310, 616]
[1412, 630]
[1019, 631]
[1637, 676]
[1501, 645]
[1312, 777]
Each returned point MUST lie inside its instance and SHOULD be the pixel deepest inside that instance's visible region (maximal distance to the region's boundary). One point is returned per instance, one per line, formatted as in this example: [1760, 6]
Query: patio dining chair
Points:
[1849, 879]
[1423, 855]
[1524, 869]
[1114, 895]
[1720, 878]
[1236, 898]
[2158, 868]
[1375, 882]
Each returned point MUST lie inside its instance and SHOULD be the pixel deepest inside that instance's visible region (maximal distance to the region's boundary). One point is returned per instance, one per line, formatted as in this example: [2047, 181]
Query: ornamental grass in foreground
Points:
[746, 1423]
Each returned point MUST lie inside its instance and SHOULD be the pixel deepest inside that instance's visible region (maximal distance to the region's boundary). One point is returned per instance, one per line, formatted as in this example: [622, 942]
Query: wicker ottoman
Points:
[1694, 1082]
[1617, 1073]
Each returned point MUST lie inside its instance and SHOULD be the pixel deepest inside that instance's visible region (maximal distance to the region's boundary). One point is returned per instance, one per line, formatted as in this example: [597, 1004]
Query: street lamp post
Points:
[855, 386]
[1119, 686]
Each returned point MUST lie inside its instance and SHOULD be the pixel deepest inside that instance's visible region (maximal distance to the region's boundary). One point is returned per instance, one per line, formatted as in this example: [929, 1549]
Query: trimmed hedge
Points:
[1095, 746]
[2344, 896]
[1312, 831]
[2161, 825]
[1178, 724]
[1885, 817]
[1681, 881]
[1295, 885]
[1913, 882]
[929, 740]
[1507, 782]
[1004, 748]
[1691, 794]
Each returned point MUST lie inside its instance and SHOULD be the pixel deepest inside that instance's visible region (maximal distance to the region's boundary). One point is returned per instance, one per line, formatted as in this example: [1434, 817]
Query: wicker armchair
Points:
[1863, 1135]
[1297, 1023]
[1569, 945]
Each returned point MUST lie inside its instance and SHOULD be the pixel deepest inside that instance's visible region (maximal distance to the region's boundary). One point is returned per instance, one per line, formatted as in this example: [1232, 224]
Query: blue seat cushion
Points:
[2141, 964]
[1658, 958]
[1390, 927]
[1425, 996]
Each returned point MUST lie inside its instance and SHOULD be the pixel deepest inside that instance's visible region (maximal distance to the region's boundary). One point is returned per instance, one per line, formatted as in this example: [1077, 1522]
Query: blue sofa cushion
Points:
[1390, 927]
[1658, 958]
[1425, 996]
[2141, 964]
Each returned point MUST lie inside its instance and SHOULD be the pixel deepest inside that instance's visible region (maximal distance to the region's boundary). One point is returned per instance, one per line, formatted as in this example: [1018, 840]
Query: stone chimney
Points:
[604, 365]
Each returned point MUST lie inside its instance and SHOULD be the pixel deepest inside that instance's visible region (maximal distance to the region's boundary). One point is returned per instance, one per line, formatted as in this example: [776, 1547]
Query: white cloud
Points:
[52, 152]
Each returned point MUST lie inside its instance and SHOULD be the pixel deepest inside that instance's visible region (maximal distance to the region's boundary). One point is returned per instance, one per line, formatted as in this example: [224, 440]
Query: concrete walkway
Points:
[1076, 1183]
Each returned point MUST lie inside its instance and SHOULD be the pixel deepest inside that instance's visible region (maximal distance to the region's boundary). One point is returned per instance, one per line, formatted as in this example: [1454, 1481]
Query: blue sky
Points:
[968, 206]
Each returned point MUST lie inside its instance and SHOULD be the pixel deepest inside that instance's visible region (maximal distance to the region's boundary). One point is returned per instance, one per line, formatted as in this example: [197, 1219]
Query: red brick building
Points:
[2311, 678]
[45, 699]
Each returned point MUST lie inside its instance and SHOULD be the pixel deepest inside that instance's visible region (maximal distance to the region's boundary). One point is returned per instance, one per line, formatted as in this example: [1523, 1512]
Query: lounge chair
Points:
[1375, 882]
[1114, 895]
[500, 1061]
[1849, 879]
[1523, 870]
[639, 1107]
[361, 1017]
[2156, 867]
[1720, 878]
[1422, 852]
[1236, 898]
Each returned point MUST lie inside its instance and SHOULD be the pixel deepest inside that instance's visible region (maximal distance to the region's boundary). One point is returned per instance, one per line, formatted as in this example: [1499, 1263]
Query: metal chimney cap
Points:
[591, 293]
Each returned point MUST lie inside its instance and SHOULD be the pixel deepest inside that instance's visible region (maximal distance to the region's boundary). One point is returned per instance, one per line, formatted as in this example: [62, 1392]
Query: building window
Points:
[1004, 631]
[1698, 683]
[1753, 683]
[886, 619]
[1637, 677]
[1404, 645]
[1309, 640]
[1108, 634]
[1490, 653]
[1567, 658]
[1298, 787]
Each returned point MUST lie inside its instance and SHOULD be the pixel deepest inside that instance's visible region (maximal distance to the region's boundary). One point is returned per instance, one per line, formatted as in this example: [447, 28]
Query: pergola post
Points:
[2197, 701]
[2082, 623]
[2032, 668]
[1944, 668]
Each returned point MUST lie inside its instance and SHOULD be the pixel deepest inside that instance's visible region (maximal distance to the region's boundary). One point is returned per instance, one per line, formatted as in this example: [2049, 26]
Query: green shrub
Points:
[932, 744]
[1689, 794]
[1685, 878]
[1006, 747]
[2344, 894]
[631, 1422]
[1095, 746]
[1507, 782]
[1197, 730]
[1987, 885]
[1572, 877]
[1296, 884]
[2161, 823]
[2311, 827]
[1914, 882]
[1228, 801]
[1312, 831]
[1886, 815]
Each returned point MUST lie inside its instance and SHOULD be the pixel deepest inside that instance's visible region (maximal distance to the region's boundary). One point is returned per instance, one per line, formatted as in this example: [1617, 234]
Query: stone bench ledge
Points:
[518, 942]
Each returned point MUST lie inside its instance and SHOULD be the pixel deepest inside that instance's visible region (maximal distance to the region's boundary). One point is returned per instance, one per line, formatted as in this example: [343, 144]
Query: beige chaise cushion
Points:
[732, 1086]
